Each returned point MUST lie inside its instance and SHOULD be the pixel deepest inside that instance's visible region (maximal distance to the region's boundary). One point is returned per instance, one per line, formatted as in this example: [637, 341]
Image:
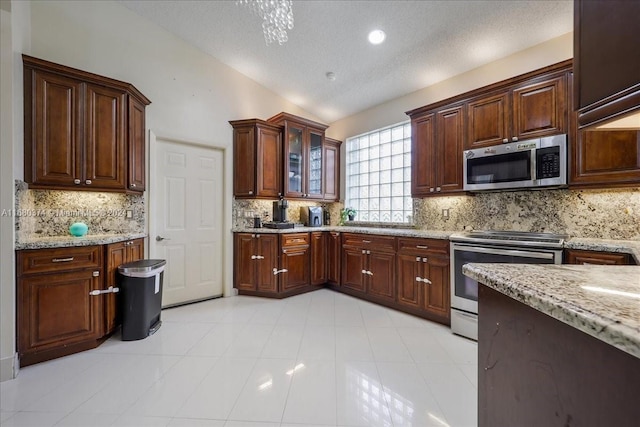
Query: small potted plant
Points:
[347, 213]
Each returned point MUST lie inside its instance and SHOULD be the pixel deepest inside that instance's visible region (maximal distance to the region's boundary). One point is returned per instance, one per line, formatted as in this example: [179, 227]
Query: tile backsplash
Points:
[50, 212]
[600, 214]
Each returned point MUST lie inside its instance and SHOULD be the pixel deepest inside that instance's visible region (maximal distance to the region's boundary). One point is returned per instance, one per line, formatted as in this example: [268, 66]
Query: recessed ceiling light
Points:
[377, 36]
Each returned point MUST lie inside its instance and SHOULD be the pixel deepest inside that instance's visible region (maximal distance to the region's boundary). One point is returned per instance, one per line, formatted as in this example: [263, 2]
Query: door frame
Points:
[152, 200]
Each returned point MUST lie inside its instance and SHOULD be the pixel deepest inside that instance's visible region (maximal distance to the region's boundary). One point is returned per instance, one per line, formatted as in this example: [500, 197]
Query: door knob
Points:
[160, 238]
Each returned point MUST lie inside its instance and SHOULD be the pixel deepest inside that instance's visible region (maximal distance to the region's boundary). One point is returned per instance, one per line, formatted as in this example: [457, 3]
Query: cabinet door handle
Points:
[370, 273]
[88, 182]
[62, 259]
[418, 279]
[133, 186]
[364, 271]
[426, 281]
[368, 252]
[111, 290]
[431, 190]
[250, 191]
[438, 189]
[276, 271]
[364, 252]
[76, 181]
[504, 141]
[418, 258]
[514, 139]
[425, 259]
[422, 246]
[254, 257]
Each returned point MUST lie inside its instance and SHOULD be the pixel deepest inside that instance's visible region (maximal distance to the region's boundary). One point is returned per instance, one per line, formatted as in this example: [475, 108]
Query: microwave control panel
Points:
[548, 162]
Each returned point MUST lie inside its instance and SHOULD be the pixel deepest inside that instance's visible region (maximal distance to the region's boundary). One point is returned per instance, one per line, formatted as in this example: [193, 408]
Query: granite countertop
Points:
[400, 232]
[66, 241]
[602, 301]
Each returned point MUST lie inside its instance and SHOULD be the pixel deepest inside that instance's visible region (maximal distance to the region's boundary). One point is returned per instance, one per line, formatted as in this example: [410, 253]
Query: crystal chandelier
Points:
[277, 18]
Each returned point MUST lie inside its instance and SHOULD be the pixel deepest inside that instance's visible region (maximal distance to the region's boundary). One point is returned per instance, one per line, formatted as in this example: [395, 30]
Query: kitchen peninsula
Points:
[558, 345]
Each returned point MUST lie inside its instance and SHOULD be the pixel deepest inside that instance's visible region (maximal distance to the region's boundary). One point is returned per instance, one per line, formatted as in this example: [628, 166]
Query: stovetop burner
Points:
[512, 238]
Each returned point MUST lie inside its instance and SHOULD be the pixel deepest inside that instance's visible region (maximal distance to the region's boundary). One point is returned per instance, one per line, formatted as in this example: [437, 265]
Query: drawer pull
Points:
[62, 259]
[366, 241]
[422, 246]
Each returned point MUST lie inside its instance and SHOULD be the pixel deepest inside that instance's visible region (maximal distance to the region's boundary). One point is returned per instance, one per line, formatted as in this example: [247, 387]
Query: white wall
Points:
[14, 38]
[550, 52]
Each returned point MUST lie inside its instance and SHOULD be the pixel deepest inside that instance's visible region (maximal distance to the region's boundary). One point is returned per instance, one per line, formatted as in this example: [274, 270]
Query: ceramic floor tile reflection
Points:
[317, 359]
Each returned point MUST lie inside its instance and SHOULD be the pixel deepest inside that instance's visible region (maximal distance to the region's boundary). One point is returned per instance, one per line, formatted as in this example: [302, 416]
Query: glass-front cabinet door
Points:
[294, 179]
[315, 184]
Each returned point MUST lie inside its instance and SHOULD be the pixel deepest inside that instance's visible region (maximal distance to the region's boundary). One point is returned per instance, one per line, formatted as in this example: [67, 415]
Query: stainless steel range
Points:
[496, 247]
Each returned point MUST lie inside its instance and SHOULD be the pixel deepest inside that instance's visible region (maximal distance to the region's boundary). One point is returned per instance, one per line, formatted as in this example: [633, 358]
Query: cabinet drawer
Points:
[60, 259]
[413, 245]
[295, 239]
[370, 241]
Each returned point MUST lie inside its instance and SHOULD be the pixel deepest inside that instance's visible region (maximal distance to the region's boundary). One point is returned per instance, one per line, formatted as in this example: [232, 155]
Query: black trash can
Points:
[140, 297]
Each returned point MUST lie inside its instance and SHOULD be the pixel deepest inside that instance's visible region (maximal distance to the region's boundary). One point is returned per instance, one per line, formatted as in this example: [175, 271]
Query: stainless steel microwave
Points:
[534, 163]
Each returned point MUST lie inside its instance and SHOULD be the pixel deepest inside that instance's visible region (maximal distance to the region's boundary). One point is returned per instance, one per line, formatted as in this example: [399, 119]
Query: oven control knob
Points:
[469, 154]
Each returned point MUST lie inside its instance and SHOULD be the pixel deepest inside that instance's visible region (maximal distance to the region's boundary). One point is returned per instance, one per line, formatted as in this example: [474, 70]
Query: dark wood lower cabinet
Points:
[534, 370]
[56, 313]
[378, 268]
[577, 256]
[422, 279]
[116, 255]
[334, 248]
[353, 267]
[319, 264]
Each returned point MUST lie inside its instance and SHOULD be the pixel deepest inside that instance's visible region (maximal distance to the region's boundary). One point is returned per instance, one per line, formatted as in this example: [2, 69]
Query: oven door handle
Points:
[514, 252]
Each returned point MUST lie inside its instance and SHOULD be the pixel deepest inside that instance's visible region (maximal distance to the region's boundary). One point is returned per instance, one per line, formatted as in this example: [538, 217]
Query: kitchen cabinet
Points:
[81, 129]
[331, 170]
[368, 265]
[422, 279]
[137, 161]
[117, 254]
[295, 271]
[526, 110]
[605, 159]
[577, 256]
[319, 260]
[606, 60]
[255, 259]
[334, 249]
[436, 161]
[59, 301]
[304, 163]
[257, 159]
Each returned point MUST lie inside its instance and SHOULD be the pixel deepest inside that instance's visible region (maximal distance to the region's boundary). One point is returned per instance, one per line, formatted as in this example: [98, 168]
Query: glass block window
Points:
[378, 178]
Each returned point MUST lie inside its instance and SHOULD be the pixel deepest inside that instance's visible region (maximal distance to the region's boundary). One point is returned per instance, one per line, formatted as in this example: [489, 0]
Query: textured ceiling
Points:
[427, 42]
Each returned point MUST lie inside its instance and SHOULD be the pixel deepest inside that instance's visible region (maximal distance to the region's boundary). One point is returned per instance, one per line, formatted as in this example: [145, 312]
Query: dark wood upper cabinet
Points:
[304, 163]
[449, 142]
[540, 108]
[422, 154]
[137, 146]
[489, 121]
[605, 159]
[530, 109]
[79, 129]
[331, 170]
[104, 150]
[257, 159]
[606, 60]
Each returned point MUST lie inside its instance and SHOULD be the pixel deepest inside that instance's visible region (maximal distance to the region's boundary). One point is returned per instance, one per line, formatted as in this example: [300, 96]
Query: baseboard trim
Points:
[8, 368]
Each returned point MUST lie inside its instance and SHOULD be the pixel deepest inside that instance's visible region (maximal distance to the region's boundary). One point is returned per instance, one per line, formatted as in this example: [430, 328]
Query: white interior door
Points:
[188, 190]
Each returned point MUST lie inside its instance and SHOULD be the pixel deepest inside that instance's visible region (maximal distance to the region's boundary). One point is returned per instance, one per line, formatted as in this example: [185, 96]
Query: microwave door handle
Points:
[534, 158]
[514, 252]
